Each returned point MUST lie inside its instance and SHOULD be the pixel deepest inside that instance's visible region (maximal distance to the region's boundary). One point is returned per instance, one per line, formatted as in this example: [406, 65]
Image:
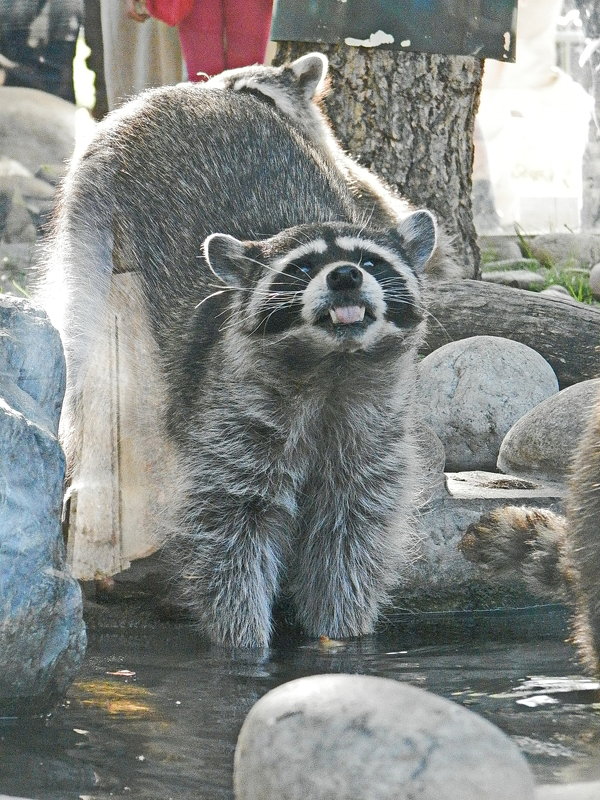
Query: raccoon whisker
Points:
[429, 315]
[367, 220]
[256, 291]
[214, 294]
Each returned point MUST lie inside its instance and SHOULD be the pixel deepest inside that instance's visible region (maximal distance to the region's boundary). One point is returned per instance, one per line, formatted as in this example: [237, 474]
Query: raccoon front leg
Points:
[228, 560]
[346, 561]
[525, 543]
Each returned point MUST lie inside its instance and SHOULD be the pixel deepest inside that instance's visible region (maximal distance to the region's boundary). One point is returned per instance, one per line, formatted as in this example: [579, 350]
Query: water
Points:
[155, 713]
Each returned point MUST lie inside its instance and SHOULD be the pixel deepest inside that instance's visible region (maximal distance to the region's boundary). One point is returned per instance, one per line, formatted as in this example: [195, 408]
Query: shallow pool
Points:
[155, 713]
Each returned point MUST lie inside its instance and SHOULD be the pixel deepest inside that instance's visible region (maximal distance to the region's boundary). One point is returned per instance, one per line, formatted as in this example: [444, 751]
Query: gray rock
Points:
[30, 188]
[556, 288]
[499, 247]
[35, 127]
[557, 292]
[541, 443]
[17, 225]
[42, 636]
[569, 791]
[11, 169]
[595, 281]
[52, 173]
[473, 390]
[566, 249]
[433, 460]
[518, 278]
[366, 738]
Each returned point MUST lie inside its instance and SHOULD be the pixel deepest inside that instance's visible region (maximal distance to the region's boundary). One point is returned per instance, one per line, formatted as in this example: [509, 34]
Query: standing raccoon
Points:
[284, 331]
[558, 557]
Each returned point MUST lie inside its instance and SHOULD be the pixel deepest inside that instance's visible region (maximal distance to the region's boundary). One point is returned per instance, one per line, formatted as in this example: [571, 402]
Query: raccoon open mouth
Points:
[347, 315]
[347, 318]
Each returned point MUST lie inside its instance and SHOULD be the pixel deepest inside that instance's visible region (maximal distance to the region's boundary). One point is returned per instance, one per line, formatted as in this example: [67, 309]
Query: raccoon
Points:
[297, 91]
[284, 331]
[558, 557]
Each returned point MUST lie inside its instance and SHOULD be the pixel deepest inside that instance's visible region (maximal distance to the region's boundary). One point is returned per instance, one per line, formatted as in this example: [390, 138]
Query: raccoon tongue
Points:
[346, 315]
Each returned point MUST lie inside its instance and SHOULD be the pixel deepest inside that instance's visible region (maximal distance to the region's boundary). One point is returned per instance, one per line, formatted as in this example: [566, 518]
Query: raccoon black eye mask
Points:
[338, 280]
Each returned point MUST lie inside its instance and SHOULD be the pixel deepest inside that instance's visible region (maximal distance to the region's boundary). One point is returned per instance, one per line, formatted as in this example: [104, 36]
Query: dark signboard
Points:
[482, 28]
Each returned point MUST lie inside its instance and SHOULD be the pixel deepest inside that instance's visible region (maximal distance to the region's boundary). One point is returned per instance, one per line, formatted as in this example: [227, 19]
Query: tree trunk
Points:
[409, 117]
[589, 11]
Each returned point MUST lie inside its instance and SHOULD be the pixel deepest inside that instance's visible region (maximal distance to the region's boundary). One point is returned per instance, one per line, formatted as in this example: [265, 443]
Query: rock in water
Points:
[42, 635]
[356, 737]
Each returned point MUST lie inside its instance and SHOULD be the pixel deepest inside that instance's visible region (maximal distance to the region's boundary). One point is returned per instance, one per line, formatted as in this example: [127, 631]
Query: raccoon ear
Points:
[310, 72]
[418, 232]
[224, 255]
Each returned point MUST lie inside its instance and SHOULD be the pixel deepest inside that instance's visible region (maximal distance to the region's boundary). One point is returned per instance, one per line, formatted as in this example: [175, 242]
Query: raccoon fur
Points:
[297, 91]
[558, 557]
[284, 330]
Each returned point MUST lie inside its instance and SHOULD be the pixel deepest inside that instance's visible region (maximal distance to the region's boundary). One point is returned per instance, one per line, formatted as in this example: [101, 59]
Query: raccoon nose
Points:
[346, 277]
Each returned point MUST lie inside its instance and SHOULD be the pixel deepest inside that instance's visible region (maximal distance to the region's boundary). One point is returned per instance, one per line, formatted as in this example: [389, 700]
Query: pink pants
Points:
[224, 34]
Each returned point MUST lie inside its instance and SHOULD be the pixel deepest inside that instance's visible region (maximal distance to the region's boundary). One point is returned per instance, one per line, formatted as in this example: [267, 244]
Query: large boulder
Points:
[542, 443]
[354, 736]
[473, 390]
[42, 635]
[35, 127]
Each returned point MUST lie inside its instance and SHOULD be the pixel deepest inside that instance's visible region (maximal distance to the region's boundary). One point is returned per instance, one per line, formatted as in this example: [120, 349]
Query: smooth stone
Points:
[52, 173]
[542, 443]
[473, 390]
[499, 247]
[17, 223]
[595, 281]
[566, 249]
[367, 738]
[556, 288]
[29, 187]
[518, 278]
[433, 460]
[10, 168]
[35, 127]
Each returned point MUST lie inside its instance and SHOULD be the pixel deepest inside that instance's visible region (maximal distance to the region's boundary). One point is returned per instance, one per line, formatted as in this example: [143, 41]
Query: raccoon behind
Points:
[297, 90]
[558, 557]
[285, 344]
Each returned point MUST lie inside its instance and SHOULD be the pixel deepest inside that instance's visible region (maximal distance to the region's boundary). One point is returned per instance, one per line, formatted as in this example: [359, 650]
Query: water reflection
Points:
[155, 714]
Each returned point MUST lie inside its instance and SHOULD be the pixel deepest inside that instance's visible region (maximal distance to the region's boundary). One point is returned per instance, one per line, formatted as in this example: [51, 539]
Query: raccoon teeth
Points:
[346, 315]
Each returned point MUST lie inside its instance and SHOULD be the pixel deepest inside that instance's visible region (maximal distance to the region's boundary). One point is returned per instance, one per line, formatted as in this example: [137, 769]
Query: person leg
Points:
[136, 55]
[201, 37]
[247, 29]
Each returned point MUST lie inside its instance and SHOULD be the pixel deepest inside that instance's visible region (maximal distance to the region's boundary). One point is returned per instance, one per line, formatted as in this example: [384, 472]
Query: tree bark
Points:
[409, 117]
[589, 11]
[564, 332]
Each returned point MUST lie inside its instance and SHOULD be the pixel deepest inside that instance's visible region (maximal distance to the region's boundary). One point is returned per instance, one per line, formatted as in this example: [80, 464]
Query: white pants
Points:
[137, 55]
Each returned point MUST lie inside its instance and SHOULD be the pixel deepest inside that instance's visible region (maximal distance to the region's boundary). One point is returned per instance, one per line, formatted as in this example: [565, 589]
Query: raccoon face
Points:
[336, 284]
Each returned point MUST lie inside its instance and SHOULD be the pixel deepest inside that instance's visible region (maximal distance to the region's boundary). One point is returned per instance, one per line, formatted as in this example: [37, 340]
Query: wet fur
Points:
[558, 557]
[289, 461]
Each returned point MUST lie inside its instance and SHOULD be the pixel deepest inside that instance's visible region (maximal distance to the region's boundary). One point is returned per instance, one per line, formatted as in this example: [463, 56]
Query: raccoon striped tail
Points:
[538, 547]
[524, 543]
